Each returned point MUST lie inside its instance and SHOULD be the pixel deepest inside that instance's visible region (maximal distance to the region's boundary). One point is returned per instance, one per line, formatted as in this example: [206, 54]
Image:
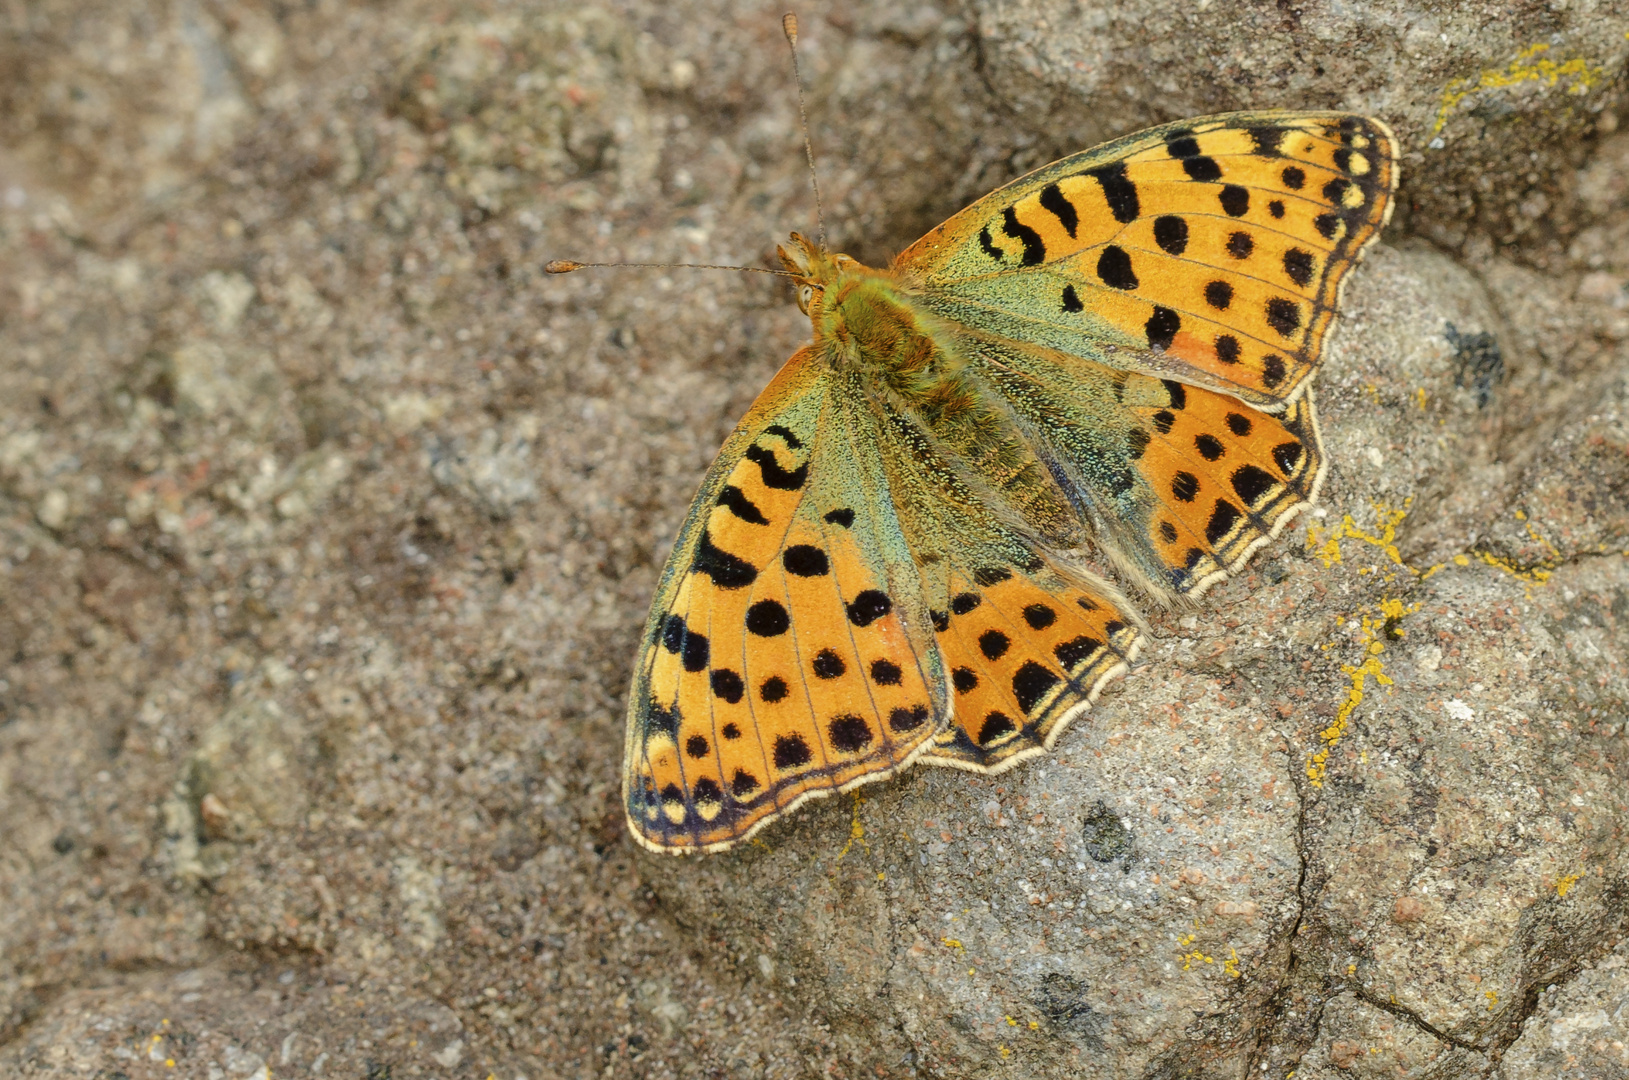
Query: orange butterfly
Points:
[883, 565]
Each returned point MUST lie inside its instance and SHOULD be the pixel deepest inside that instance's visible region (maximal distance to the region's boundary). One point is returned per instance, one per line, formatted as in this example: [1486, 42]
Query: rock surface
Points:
[328, 525]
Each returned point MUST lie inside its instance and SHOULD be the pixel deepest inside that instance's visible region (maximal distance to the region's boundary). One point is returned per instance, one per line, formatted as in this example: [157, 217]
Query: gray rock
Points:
[328, 526]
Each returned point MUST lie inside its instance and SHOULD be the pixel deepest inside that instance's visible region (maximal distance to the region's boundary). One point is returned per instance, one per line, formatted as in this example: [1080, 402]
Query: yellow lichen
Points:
[1566, 883]
[1530, 65]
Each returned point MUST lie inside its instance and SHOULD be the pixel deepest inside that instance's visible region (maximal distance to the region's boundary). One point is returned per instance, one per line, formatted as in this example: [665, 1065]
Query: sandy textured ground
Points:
[328, 526]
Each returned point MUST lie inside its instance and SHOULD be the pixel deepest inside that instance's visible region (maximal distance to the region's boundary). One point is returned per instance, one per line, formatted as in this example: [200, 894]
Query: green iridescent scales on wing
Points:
[888, 563]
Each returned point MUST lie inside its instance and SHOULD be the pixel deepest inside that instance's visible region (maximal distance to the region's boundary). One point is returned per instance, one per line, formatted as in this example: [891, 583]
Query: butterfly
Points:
[886, 563]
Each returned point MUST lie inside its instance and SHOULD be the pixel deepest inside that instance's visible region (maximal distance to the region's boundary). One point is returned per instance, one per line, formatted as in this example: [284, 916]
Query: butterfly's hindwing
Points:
[786, 655]
[1025, 643]
[1211, 250]
[1179, 482]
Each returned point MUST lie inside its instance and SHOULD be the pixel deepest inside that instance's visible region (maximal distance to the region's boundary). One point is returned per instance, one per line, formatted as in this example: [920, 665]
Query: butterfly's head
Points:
[813, 267]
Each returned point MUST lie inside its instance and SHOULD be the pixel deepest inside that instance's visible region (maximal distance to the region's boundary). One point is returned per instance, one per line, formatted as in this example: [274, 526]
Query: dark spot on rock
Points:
[1105, 835]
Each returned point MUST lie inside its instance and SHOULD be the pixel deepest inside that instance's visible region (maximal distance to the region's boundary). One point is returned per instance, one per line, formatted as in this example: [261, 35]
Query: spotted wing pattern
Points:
[1211, 251]
[1181, 483]
[788, 654]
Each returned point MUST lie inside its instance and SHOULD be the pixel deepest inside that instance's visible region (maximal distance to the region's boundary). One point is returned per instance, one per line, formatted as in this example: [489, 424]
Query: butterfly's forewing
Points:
[1180, 483]
[1027, 642]
[1211, 250]
[789, 652]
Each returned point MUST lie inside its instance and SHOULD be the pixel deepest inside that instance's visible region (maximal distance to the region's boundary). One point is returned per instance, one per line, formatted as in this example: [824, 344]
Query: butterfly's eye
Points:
[805, 294]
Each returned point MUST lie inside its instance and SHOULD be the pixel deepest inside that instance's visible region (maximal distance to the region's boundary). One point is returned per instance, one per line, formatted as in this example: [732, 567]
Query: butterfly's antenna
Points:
[566, 266]
[789, 23]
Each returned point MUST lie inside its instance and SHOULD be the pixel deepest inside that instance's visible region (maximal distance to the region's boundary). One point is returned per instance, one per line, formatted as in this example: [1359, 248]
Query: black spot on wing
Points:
[828, 665]
[1171, 234]
[1076, 651]
[791, 751]
[727, 571]
[1252, 483]
[1235, 200]
[769, 468]
[1162, 327]
[995, 725]
[1287, 456]
[727, 685]
[1240, 245]
[868, 607]
[1294, 177]
[1238, 425]
[1034, 246]
[849, 733]
[736, 502]
[962, 603]
[1272, 371]
[1222, 519]
[1185, 485]
[1227, 348]
[1114, 267]
[1284, 316]
[989, 248]
[843, 517]
[1118, 191]
[1209, 446]
[768, 618]
[1298, 265]
[1054, 200]
[1267, 140]
[786, 434]
[902, 720]
[1031, 684]
[986, 576]
[806, 560]
[994, 644]
[772, 689]
[1071, 301]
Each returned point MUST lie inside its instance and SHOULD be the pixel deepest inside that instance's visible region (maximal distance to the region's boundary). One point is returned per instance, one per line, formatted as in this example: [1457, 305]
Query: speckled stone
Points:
[328, 525]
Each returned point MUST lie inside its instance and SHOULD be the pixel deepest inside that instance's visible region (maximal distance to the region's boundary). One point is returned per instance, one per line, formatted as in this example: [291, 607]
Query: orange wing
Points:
[1211, 250]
